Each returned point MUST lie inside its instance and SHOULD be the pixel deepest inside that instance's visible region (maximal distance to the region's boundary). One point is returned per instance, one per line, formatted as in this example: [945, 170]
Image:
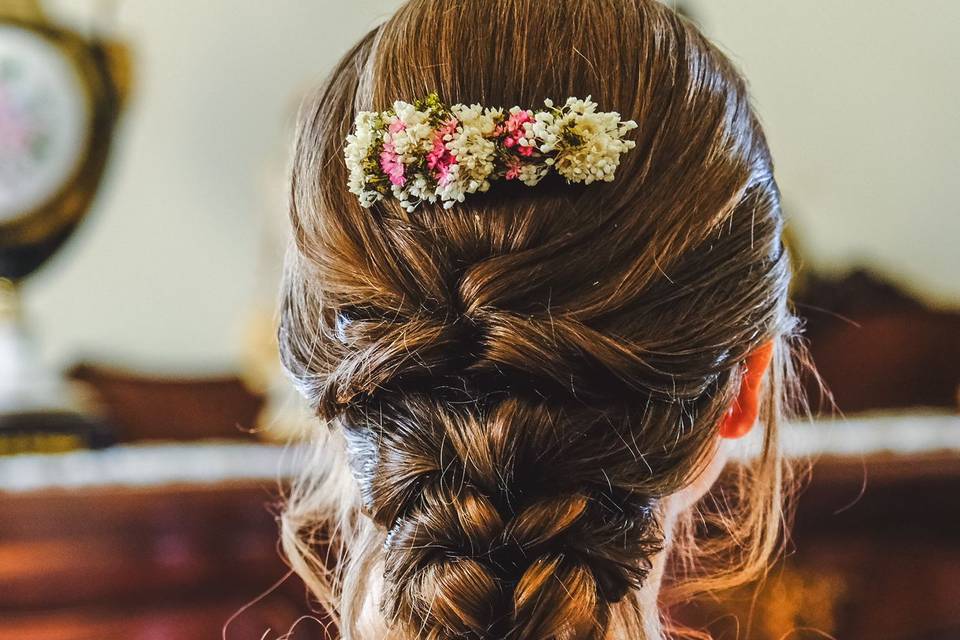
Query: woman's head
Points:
[526, 382]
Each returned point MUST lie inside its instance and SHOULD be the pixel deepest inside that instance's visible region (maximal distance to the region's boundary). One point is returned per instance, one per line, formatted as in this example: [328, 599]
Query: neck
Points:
[647, 599]
[648, 596]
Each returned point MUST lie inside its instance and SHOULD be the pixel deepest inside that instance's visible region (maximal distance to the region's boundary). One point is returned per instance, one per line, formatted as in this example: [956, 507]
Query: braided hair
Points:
[521, 381]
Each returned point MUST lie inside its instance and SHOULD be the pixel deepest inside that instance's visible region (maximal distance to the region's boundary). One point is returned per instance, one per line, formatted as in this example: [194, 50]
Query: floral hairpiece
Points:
[427, 151]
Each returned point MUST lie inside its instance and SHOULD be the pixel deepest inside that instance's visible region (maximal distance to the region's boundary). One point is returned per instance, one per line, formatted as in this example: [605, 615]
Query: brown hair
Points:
[518, 383]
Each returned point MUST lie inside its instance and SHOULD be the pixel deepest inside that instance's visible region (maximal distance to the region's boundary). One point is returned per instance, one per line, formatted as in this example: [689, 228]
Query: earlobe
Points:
[742, 415]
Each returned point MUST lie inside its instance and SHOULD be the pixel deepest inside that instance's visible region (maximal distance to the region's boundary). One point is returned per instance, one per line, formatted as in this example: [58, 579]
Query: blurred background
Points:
[143, 416]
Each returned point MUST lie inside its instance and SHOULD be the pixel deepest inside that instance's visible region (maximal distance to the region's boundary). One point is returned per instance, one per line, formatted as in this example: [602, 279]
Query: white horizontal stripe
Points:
[141, 465]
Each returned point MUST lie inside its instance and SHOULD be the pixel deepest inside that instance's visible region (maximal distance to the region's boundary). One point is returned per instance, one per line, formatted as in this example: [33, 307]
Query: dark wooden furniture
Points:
[876, 347]
[143, 407]
[875, 555]
[154, 563]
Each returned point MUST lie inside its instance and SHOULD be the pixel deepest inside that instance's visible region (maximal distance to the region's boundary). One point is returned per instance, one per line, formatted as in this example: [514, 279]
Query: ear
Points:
[742, 415]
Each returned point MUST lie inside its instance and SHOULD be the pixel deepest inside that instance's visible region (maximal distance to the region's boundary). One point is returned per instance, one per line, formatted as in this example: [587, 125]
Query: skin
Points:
[742, 415]
[738, 422]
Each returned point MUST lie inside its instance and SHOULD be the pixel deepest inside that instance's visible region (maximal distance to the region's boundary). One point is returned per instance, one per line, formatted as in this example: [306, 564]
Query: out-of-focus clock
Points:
[60, 95]
[44, 121]
[59, 100]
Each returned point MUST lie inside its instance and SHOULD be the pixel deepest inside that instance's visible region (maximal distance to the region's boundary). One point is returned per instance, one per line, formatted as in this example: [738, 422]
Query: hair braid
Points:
[525, 380]
[486, 539]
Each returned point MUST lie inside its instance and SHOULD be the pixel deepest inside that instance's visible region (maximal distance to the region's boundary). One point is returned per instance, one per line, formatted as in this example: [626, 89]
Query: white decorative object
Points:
[44, 120]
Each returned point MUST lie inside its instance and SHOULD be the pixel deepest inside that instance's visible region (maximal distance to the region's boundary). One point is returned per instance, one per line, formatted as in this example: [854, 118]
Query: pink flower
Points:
[392, 165]
[513, 130]
[513, 169]
[390, 161]
[440, 158]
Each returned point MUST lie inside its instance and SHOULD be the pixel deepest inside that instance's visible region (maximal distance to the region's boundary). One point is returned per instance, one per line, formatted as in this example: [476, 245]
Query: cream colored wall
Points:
[861, 100]
[162, 277]
[859, 97]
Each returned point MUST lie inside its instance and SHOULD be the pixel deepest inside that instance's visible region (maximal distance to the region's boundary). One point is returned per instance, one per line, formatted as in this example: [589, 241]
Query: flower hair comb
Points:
[428, 151]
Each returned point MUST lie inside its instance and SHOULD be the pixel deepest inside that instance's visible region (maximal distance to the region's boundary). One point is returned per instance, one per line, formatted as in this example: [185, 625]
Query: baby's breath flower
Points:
[426, 151]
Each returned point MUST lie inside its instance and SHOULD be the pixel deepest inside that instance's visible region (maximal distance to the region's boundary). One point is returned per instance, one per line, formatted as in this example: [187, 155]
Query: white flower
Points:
[588, 143]
[358, 148]
[391, 151]
[531, 174]
[474, 149]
